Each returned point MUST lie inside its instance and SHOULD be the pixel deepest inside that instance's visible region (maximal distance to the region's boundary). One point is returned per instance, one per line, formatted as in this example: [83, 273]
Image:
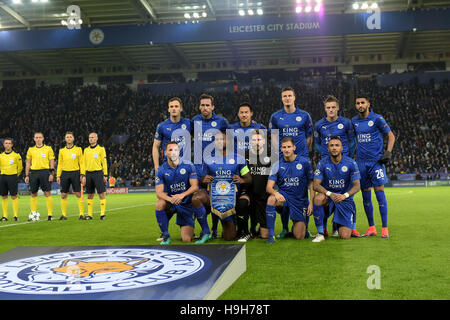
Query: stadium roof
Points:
[30, 15]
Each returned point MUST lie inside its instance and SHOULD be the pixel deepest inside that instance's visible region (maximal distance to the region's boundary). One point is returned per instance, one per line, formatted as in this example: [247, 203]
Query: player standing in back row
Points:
[294, 123]
[330, 126]
[370, 128]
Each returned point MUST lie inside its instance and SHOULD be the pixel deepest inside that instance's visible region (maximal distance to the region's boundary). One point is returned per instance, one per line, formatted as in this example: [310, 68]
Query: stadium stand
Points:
[126, 120]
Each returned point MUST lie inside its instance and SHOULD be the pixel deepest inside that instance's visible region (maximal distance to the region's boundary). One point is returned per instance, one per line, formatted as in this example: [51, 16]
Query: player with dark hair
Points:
[242, 131]
[224, 174]
[293, 175]
[243, 128]
[175, 183]
[206, 125]
[70, 164]
[336, 180]
[370, 129]
[332, 125]
[11, 167]
[294, 123]
[39, 172]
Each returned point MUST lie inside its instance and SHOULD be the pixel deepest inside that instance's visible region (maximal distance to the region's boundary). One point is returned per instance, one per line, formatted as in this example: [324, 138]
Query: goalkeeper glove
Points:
[386, 157]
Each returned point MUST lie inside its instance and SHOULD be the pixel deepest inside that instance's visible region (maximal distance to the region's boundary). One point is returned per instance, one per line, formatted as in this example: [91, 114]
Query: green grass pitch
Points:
[413, 262]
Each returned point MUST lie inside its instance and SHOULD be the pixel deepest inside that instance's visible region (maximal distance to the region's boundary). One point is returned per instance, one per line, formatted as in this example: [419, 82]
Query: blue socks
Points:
[285, 217]
[271, 216]
[368, 208]
[382, 204]
[319, 213]
[163, 221]
[200, 214]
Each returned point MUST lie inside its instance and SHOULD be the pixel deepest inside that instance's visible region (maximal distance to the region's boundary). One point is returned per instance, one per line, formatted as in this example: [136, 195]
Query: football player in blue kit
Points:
[227, 167]
[243, 129]
[370, 129]
[175, 182]
[333, 125]
[293, 175]
[336, 180]
[176, 128]
[294, 123]
[205, 126]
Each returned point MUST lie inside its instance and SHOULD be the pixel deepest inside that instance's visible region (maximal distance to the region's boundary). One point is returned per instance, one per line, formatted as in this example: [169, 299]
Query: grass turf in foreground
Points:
[413, 262]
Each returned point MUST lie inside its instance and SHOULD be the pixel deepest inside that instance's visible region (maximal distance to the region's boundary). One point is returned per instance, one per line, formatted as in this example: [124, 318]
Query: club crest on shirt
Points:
[370, 123]
[213, 124]
[340, 126]
[344, 168]
[183, 171]
[298, 118]
[299, 166]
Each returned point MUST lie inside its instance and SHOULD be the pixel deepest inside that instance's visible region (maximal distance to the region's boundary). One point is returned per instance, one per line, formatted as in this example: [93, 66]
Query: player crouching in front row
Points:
[293, 176]
[336, 179]
[175, 183]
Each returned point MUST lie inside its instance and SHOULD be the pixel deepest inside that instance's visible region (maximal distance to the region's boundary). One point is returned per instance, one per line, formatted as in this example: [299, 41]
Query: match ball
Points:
[34, 216]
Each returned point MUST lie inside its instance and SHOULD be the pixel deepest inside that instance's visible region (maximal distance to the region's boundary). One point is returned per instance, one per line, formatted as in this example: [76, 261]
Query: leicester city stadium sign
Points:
[111, 272]
[261, 27]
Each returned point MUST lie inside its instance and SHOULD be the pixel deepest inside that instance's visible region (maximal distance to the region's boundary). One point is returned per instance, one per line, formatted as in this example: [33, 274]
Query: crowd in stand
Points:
[417, 114]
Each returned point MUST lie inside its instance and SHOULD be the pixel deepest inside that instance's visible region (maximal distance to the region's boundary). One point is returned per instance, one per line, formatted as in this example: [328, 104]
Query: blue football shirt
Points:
[296, 125]
[369, 136]
[342, 128]
[242, 136]
[176, 180]
[337, 178]
[202, 137]
[293, 177]
[179, 132]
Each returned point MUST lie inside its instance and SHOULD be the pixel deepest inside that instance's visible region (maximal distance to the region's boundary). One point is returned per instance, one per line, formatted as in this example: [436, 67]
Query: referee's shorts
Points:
[39, 178]
[9, 184]
[94, 181]
[70, 178]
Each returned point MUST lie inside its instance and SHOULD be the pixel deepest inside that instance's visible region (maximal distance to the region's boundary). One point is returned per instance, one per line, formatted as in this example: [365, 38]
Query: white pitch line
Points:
[76, 215]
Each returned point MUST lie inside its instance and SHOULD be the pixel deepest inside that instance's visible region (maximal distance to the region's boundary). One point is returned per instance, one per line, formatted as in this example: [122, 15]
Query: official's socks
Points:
[33, 204]
[80, 206]
[5, 207]
[15, 203]
[90, 205]
[64, 206]
[102, 207]
[49, 202]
